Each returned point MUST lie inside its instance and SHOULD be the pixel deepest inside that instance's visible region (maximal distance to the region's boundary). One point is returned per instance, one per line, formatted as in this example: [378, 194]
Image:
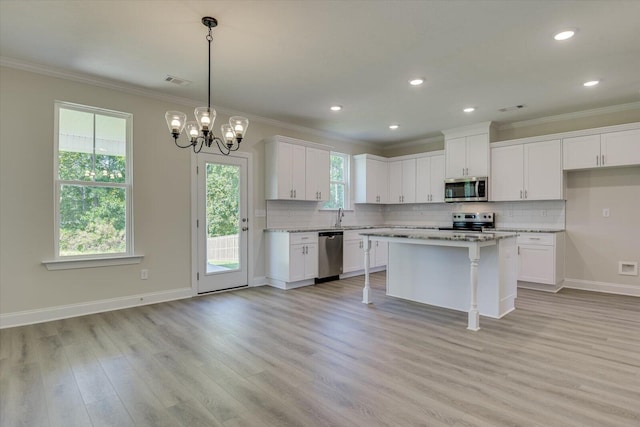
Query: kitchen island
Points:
[443, 268]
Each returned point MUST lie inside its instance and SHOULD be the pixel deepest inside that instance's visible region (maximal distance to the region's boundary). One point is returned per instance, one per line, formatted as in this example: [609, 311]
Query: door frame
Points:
[194, 215]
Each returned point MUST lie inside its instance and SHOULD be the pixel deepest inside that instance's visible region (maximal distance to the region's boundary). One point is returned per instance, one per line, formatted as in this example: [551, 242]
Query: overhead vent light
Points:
[512, 108]
[176, 80]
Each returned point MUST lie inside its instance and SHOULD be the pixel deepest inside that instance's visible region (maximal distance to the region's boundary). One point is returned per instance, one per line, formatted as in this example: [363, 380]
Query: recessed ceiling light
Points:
[469, 110]
[394, 127]
[564, 35]
[336, 107]
[591, 83]
[416, 82]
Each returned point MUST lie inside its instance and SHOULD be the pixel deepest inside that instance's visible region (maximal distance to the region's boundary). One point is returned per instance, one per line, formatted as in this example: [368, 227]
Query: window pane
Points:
[336, 197]
[337, 168]
[92, 220]
[223, 217]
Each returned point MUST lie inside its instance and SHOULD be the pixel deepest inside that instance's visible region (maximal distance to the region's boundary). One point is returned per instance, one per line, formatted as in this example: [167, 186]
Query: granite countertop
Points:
[347, 228]
[444, 235]
[527, 230]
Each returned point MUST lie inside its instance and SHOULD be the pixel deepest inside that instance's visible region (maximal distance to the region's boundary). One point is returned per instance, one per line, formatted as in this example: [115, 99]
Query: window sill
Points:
[69, 264]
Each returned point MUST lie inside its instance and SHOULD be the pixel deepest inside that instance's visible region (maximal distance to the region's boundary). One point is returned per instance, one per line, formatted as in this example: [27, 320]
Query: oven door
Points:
[465, 190]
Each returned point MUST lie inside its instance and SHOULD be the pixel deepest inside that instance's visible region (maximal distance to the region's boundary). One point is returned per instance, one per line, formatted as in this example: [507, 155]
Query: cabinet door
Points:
[297, 262]
[621, 148]
[423, 179]
[311, 261]
[456, 157]
[298, 171]
[581, 152]
[381, 251]
[542, 170]
[371, 182]
[437, 179]
[352, 256]
[382, 180]
[507, 173]
[317, 174]
[284, 161]
[478, 155]
[395, 182]
[536, 263]
[408, 181]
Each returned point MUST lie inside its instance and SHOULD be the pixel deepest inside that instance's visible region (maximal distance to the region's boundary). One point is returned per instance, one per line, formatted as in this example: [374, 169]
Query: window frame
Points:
[127, 256]
[346, 182]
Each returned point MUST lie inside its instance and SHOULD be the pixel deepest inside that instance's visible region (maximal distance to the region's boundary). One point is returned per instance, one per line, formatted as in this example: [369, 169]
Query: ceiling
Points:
[291, 60]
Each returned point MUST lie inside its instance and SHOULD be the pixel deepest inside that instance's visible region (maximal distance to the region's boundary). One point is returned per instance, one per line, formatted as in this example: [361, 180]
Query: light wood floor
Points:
[318, 356]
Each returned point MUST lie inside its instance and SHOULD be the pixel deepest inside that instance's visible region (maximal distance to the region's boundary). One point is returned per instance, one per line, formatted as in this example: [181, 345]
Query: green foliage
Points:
[337, 176]
[92, 218]
[223, 189]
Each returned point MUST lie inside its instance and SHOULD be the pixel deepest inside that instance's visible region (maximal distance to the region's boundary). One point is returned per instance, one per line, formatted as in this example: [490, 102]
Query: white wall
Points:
[161, 194]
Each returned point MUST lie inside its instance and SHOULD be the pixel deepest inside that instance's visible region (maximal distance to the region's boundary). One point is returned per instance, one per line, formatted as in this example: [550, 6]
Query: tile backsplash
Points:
[547, 214]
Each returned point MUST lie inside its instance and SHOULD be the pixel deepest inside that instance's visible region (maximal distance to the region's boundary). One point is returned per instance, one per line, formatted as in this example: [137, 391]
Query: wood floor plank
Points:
[317, 356]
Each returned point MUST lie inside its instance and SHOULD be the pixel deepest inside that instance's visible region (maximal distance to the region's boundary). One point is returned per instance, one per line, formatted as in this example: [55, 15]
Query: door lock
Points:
[245, 228]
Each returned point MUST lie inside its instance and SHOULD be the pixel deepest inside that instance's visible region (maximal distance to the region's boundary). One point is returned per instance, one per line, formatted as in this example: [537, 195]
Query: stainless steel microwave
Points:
[469, 189]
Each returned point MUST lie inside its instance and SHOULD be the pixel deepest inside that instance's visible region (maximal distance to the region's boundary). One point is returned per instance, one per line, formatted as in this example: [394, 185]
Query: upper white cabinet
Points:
[467, 151]
[527, 171]
[317, 174]
[606, 149]
[402, 181]
[430, 179]
[372, 179]
[295, 171]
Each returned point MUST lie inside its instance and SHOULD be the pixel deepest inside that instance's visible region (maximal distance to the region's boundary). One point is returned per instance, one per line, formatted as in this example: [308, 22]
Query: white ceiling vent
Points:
[176, 80]
[512, 108]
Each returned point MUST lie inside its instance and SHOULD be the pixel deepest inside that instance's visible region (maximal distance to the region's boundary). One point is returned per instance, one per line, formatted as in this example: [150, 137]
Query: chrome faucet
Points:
[339, 217]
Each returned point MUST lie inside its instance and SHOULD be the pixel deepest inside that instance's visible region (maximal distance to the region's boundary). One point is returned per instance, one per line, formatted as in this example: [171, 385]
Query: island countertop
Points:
[441, 235]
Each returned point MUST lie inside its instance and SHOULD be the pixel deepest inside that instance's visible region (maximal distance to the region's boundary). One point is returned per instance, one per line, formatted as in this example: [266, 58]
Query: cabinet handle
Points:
[319, 195]
[518, 250]
[291, 194]
[597, 160]
[525, 194]
[602, 162]
[294, 194]
[521, 194]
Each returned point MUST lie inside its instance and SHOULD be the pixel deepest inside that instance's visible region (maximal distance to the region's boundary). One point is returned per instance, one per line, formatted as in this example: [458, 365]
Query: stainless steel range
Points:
[471, 221]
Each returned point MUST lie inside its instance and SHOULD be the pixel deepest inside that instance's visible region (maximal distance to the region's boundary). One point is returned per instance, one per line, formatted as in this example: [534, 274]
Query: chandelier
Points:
[200, 132]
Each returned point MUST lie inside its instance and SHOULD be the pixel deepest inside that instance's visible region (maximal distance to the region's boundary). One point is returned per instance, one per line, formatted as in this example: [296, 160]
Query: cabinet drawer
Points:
[547, 239]
[296, 238]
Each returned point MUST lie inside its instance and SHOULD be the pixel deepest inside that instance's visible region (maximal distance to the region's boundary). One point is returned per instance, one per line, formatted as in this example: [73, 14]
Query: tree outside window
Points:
[339, 182]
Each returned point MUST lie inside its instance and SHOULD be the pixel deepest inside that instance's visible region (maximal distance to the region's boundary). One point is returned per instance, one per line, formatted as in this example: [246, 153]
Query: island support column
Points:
[474, 314]
[366, 292]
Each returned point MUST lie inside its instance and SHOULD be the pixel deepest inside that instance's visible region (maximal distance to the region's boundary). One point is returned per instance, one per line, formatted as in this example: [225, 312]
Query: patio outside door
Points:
[222, 222]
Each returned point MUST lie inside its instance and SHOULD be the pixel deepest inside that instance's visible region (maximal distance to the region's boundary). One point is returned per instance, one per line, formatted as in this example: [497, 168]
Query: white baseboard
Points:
[29, 317]
[609, 288]
[289, 285]
[258, 281]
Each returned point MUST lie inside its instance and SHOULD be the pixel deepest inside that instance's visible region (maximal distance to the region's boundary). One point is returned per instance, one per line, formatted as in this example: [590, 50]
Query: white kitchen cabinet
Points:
[541, 259]
[608, 149]
[353, 253]
[430, 179]
[371, 179]
[317, 174]
[402, 181]
[295, 171]
[527, 171]
[467, 156]
[292, 258]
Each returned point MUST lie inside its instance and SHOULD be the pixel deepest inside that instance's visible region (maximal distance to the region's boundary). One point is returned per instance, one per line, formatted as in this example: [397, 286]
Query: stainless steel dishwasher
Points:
[329, 255]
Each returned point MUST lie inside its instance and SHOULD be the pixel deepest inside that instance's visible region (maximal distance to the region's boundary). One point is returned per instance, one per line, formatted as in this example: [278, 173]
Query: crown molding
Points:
[132, 89]
[571, 116]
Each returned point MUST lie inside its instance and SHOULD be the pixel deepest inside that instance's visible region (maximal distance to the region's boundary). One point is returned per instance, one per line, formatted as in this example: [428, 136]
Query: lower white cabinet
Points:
[291, 257]
[353, 253]
[541, 259]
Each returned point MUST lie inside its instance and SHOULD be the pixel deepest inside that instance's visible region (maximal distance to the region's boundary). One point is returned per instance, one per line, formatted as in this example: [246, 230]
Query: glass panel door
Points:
[222, 222]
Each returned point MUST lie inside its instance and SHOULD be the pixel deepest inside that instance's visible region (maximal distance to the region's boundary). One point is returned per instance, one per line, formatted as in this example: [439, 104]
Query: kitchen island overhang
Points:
[444, 269]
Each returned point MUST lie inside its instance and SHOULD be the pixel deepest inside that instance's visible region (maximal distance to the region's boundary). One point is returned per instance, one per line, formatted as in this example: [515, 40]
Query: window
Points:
[93, 186]
[339, 182]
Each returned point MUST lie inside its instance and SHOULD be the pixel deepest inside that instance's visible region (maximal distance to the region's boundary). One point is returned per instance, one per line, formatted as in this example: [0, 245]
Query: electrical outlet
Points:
[144, 274]
[605, 212]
